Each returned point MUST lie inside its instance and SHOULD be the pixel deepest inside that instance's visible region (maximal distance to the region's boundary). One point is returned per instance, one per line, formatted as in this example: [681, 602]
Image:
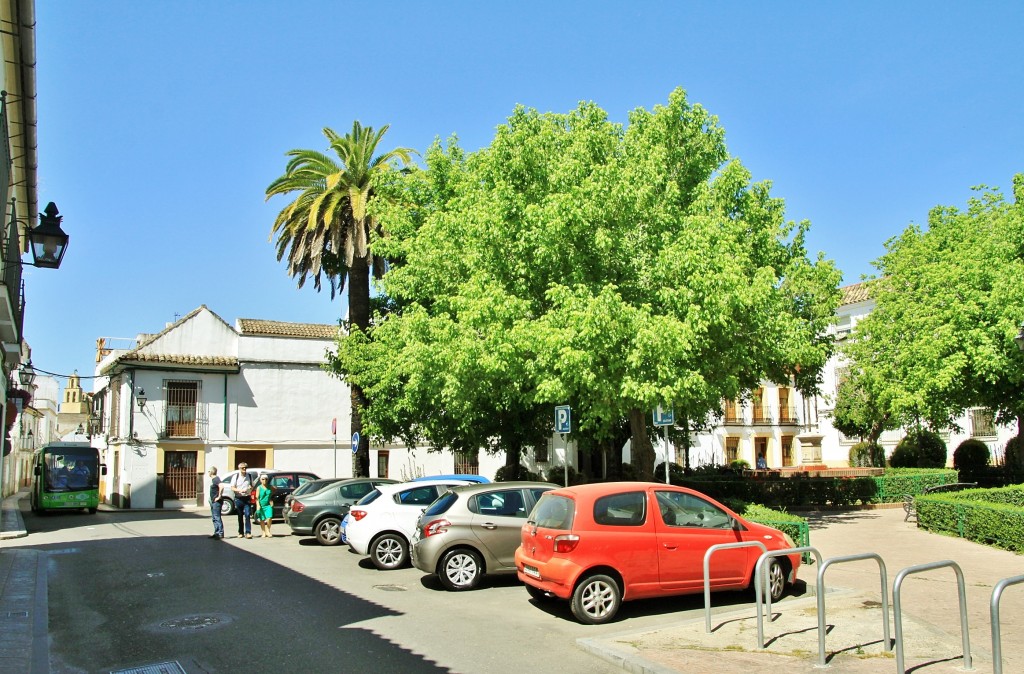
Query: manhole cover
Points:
[159, 668]
[391, 588]
[194, 623]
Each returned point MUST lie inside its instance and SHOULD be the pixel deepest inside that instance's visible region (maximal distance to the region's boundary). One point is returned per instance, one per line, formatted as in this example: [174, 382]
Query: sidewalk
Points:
[24, 611]
[853, 644]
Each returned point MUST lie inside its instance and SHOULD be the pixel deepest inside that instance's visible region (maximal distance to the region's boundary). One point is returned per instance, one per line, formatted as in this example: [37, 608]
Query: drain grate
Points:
[192, 622]
[17, 614]
[391, 588]
[159, 668]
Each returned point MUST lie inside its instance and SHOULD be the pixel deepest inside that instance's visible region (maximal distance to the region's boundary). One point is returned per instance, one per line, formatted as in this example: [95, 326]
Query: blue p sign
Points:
[563, 419]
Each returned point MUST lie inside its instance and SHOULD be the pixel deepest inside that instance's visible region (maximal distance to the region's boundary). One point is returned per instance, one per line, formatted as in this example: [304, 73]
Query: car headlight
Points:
[789, 541]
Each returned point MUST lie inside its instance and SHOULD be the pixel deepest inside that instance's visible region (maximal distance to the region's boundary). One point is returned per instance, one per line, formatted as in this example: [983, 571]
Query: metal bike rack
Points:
[759, 587]
[899, 617]
[707, 573]
[997, 640]
[821, 599]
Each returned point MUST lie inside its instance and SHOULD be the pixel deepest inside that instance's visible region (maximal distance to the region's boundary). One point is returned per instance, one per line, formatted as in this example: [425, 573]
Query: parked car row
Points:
[593, 545]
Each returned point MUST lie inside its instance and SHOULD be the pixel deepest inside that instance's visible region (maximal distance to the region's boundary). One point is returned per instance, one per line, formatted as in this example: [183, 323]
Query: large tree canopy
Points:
[949, 301]
[577, 261]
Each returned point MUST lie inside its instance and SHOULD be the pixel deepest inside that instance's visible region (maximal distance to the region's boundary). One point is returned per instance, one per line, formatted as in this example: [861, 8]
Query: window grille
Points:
[732, 449]
[115, 407]
[467, 463]
[542, 451]
[184, 416]
[982, 423]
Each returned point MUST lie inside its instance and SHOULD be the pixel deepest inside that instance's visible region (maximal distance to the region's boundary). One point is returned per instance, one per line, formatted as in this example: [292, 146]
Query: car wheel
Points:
[460, 569]
[92, 511]
[328, 531]
[776, 579]
[389, 551]
[596, 599]
[227, 508]
[537, 593]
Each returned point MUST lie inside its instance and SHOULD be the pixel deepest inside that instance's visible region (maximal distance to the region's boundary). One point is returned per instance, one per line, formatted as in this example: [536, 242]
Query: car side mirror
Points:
[103, 469]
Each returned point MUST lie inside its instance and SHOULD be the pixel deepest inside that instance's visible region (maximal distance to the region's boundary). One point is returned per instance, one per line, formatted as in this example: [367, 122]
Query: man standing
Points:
[218, 522]
[241, 484]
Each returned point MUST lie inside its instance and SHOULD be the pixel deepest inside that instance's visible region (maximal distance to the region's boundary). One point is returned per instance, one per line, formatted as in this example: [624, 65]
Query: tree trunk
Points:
[359, 318]
[641, 447]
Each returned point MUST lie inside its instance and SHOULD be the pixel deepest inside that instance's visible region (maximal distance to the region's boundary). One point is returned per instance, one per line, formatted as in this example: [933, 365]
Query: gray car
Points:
[473, 530]
[319, 513]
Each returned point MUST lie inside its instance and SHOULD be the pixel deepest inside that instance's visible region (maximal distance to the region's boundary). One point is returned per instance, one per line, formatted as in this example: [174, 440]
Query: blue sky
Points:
[161, 123]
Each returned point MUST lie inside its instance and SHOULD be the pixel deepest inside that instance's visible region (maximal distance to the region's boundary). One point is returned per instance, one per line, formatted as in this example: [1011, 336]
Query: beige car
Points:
[473, 530]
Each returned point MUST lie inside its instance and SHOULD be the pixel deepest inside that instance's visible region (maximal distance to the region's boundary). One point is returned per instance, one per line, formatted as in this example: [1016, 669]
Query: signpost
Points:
[665, 418]
[334, 432]
[563, 426]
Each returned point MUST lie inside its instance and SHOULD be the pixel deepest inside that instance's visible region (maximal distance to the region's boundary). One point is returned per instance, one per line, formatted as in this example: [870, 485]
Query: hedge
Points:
[793, 526]
[801, 490]
[989, 516]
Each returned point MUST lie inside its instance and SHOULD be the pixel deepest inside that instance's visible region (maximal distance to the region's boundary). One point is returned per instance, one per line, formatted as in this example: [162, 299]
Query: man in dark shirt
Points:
[218, 523]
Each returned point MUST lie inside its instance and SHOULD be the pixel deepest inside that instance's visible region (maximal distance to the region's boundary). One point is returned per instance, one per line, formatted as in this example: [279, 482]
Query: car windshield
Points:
[442, 504]
[369, 498]
[553, 512]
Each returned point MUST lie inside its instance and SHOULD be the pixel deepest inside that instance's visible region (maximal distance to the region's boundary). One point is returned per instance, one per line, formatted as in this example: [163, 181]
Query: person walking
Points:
[218, 521]
[241, 485]
[265, 505]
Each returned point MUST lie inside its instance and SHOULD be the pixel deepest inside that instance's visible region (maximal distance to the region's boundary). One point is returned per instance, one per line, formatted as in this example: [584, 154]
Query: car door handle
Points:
[489, 525]
[670, 547]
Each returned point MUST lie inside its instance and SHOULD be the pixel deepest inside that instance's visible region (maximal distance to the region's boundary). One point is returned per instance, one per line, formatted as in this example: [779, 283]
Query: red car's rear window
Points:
[553, 512]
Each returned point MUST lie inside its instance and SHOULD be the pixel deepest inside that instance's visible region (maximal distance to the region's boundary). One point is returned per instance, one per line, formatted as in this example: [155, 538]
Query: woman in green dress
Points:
[265, 505]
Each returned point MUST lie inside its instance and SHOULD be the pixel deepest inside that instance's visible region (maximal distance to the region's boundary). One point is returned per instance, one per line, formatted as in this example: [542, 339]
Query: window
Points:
[505, 503]
[758, 405]
[417, 496]
[787, 412]
[686, 510]
[115, 407]
[622, 510]
[982, 423]
[732, 413]
[356, 491]
[787, 450]
[467, 463]
[732, 449]
[554, 512]
[542, 451]
[382, 464]
[181, 410]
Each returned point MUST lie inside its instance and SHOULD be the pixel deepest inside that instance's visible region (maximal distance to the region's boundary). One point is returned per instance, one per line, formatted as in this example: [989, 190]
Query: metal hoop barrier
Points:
[898, 615]
[707, 573]
[997, 640]
[761, 587]
[821, 599]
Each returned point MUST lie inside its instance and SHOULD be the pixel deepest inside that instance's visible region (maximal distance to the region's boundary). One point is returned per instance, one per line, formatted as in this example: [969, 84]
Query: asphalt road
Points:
[128, 590]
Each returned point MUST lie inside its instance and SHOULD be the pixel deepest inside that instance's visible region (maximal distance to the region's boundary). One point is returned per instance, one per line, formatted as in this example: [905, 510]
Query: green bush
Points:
[1013, 460]
[989, 516]
[519, 472]
[739, 464]
[970, 458]
[675, 472]
[556, 475]
[919, 449]
[867, 455]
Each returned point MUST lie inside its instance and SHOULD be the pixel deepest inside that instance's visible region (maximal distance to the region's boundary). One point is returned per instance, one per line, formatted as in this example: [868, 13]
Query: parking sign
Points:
[563, 419]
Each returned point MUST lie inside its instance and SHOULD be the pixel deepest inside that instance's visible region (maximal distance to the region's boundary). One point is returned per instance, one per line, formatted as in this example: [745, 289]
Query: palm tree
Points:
[325, 230]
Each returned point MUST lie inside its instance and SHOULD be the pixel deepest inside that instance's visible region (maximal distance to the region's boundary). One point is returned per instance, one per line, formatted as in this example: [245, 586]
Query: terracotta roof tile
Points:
[858, 292]
[253, 326]
[179, 359]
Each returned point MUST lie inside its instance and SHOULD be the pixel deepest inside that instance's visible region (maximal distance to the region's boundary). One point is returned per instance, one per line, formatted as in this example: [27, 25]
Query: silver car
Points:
[473, 530]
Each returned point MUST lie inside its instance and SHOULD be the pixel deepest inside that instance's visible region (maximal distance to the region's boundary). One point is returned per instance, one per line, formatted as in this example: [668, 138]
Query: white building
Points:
[204, 393]
[795, 431]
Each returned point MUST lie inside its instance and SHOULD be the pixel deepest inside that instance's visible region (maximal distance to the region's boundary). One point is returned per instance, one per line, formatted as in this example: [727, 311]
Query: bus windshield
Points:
[71, 469]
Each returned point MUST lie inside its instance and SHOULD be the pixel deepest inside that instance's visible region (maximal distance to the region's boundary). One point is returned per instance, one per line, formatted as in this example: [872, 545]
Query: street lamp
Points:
[1020, 337]
[48, 240]
[27, 375]
[141, 398]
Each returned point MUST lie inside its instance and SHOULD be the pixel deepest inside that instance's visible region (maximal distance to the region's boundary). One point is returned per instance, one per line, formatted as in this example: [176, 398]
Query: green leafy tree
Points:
[859, 411]
[948, 305]
[577, 261]
[326, 230]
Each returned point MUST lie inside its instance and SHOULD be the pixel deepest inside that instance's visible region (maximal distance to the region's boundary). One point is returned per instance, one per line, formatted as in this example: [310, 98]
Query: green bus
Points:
[66, 475]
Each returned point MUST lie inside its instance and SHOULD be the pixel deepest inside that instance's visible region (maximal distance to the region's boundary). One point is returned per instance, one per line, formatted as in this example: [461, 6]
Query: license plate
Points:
[531, 571]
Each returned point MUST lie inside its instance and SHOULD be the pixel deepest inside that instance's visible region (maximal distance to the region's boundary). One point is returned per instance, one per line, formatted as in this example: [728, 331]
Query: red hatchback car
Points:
[598, 545]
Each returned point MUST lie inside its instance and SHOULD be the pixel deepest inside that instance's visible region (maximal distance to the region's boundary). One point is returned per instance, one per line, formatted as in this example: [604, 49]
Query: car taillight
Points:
[297, 507]
[357, 514]
[566, 542]
[436, 527]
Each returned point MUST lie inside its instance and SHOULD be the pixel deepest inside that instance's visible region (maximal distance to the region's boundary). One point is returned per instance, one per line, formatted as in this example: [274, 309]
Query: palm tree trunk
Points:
[359, 319]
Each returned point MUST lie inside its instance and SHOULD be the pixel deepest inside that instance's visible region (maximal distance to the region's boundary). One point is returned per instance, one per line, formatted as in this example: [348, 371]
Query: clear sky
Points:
[162, 122]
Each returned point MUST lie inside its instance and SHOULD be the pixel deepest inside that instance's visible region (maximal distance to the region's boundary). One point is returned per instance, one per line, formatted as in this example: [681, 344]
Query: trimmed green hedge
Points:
[989, 516]
[800, 490]
[793, 526]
